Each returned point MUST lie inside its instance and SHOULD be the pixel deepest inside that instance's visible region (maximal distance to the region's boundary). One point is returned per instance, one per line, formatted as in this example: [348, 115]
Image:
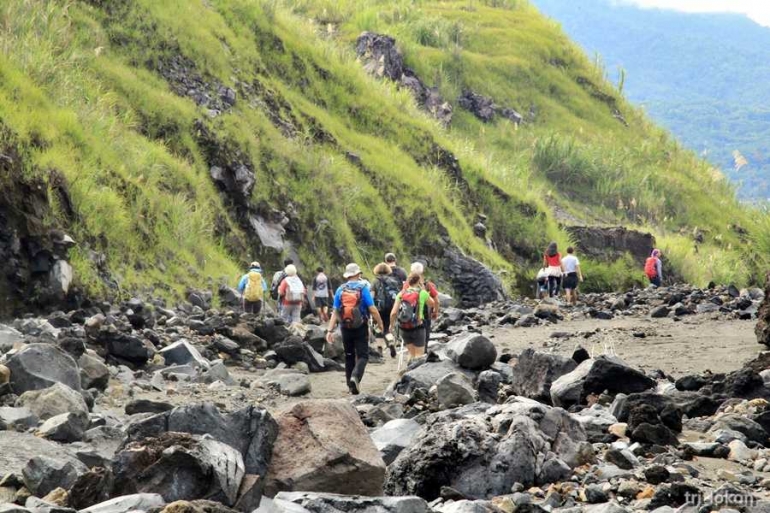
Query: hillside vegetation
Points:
[123, 107]
[705, 77]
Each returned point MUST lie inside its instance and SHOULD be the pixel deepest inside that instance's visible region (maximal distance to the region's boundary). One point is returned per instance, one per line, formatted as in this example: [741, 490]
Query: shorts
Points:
[570, 281]
[321, 302]
[415, 337]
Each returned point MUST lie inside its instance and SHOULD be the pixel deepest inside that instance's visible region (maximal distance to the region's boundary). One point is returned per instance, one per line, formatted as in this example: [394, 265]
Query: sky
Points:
[757, 10]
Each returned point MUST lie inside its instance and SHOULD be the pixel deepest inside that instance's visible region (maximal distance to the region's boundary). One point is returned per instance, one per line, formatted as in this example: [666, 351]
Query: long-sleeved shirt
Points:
[245, 280]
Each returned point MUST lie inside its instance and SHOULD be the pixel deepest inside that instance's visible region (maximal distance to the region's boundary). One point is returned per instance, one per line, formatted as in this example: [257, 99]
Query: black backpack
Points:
[275, 285]
[386, 289]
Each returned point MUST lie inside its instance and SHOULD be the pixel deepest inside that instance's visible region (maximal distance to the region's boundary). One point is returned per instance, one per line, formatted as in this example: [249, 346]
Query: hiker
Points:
[252, 287]
[397, 271]
[653, 268]
[320, 288]
[384, 291]
[353, 305]
[552, 262]
[542, 283]
[572, 275]
[278, 277]
[409, 311]
[291, 295]
[431, 312]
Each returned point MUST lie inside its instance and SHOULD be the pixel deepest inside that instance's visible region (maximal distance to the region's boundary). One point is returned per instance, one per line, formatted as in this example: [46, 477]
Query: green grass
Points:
[80, 92]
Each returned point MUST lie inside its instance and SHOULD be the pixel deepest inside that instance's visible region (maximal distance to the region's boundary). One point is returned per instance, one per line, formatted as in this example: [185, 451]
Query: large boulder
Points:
[395, 436]
[129, 349]
[482, 451]
[427, 374]
[534, 373]
[184, 353]
[454, 390]
[55, 400]
[294, 350]
[472, 351]
[380, 56]
[93, 372]
[17, 448]
[595, 376]
[67, 428]
[44, 473]
[474, 283]
[323, 446]
[251, 430]
[38, 366]
[299, 502]
[180, 466]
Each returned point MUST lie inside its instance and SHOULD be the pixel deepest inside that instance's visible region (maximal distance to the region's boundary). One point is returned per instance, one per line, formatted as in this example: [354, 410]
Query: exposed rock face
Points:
[474, 283]
[323, 446]
[185, 80]
[609, 244]
[762, 329]
[485, 109]
[481, 452]
[382, 59]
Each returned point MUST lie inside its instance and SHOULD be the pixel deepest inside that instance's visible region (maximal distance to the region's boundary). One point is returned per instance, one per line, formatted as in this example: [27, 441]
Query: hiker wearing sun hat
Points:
[353, 305]
[252, 287]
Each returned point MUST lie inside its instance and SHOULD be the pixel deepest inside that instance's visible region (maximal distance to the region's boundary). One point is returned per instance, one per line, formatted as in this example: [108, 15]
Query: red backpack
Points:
[651, 267]
[409, 315]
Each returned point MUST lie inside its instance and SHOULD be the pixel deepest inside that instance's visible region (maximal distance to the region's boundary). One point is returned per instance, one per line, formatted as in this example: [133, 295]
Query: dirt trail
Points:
[692, 345]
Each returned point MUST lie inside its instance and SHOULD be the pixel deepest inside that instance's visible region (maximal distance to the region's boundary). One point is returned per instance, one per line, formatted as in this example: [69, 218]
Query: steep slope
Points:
[178, 140]
[703, 76]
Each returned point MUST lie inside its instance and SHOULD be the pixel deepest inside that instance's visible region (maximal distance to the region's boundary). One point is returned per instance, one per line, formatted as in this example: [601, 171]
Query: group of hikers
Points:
[395, 305]
[560, 272]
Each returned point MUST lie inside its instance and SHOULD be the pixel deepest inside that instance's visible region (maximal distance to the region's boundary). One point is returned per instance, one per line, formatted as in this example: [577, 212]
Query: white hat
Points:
[291, 270]
[253, 265]
[351, 270]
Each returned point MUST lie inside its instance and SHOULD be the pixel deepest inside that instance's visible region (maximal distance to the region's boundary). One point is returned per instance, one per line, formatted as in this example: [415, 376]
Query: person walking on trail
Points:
[385, 288]
[409, 312]
[552, 262]
[653, 268]
[278, 278]
[398, 272]
[431, 312]
[542, 283]
[252, 287]
[291, 294]
[353, 305]
[320, 289]
[572, 275]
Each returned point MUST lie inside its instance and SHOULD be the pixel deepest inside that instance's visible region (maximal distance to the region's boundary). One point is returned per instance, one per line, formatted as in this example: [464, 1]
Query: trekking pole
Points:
[400, 350]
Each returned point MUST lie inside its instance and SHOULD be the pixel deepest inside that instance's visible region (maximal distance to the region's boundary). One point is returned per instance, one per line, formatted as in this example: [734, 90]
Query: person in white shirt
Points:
[572, 275]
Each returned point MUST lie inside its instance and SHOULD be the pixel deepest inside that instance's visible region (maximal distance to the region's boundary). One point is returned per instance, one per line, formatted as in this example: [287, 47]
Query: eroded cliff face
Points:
[34, 271]
[607, 244]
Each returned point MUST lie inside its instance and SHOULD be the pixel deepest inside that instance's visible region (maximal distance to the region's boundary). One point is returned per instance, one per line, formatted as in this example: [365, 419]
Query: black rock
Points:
[147, 406]
[656, 474]
[294, 350]
[534, 373]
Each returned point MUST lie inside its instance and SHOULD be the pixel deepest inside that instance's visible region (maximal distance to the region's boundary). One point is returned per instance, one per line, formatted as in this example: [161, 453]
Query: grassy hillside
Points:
[128, 102]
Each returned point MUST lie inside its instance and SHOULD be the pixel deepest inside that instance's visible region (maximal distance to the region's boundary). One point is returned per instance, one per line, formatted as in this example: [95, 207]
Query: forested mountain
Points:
[161, 145]
[706, 77]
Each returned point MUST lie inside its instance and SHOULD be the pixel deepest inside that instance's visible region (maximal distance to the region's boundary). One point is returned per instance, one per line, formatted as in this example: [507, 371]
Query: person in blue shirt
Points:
[353, 305]
[252, 296]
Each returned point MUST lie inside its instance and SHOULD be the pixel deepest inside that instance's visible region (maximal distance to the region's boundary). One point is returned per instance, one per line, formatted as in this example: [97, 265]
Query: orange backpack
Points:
[350, 308]
[651, 267]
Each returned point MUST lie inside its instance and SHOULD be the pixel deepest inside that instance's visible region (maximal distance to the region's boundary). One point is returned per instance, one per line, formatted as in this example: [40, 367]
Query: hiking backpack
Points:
[253, 291]
[276, 283]
[350, 308]
[409, 316]
[386, 290]
[651, 267]
[295, 291]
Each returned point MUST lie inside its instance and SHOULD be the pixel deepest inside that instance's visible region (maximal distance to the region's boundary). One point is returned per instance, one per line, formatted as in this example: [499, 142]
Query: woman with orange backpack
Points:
[653, 268]
[409, 311]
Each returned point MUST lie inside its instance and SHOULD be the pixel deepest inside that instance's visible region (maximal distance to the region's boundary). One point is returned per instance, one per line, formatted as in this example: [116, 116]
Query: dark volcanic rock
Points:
[40, 366]
[610, 244]
[474, 283]
[472, 351]
[535, 372]
[762, 329]
[294, 350]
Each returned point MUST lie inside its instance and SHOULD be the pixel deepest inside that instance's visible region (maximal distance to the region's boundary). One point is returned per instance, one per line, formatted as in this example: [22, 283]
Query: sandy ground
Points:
[692, 345]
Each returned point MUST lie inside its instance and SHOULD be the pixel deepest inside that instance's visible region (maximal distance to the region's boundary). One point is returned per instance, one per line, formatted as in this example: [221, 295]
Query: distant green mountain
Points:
[705, 77]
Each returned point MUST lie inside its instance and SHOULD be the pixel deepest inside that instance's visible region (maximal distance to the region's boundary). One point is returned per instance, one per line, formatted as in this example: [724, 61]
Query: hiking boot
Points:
[392, 350]
[353, 385]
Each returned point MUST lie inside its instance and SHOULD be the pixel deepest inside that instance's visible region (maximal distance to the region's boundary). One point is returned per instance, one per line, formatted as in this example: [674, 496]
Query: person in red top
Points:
[554, 268]
[430, 314]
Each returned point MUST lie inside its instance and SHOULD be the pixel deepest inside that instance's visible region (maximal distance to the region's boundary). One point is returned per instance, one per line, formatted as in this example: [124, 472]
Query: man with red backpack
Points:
[653, 268]
[353, 305]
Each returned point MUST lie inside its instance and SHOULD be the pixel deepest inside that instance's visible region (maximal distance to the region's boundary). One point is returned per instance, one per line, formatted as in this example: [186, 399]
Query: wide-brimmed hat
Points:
[351, 270]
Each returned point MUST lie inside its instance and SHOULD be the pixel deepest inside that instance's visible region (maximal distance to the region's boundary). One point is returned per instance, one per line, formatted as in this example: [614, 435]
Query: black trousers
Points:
[426, 322]
[553, 285]
[252, 307]
[356, 344]
[385, 321]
